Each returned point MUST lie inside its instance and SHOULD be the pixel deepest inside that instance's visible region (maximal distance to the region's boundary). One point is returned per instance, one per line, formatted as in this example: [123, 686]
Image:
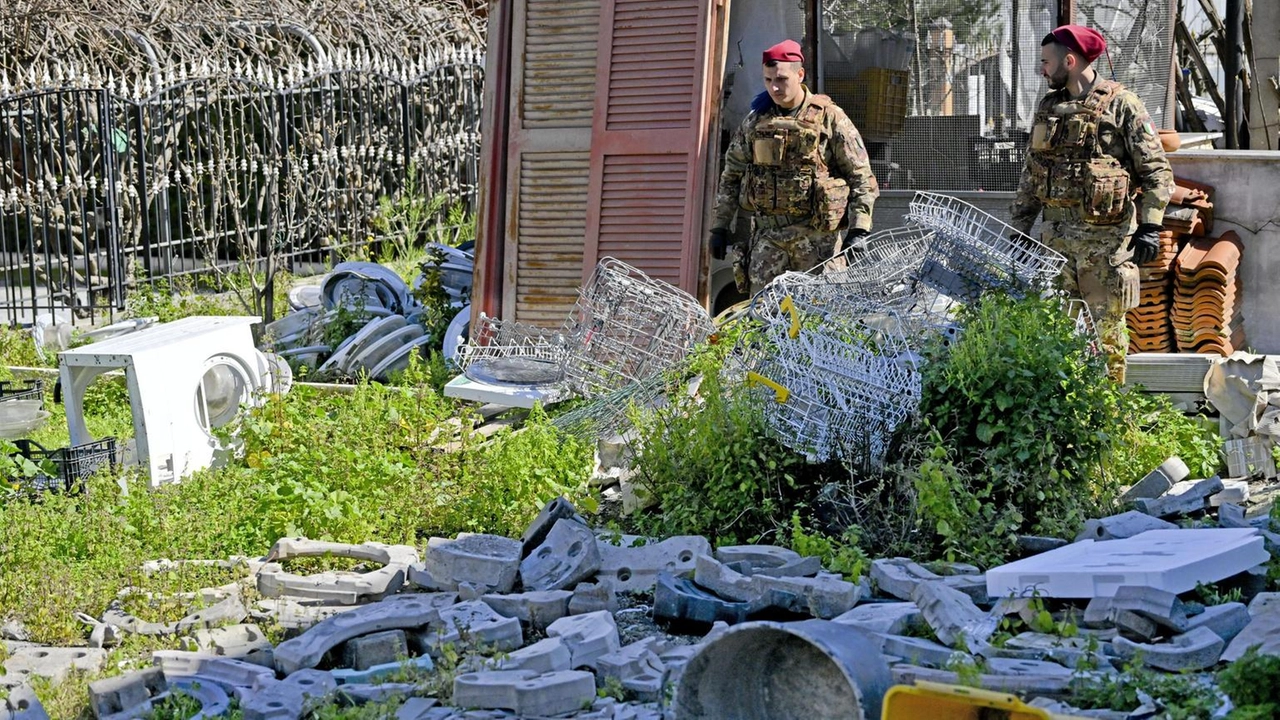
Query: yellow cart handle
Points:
[781, 393]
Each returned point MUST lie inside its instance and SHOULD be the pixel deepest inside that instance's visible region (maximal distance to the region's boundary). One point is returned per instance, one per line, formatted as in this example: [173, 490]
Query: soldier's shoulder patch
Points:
[1144, 122]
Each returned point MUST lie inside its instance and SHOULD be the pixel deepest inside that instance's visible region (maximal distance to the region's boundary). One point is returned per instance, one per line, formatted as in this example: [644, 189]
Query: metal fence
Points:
[217, 170]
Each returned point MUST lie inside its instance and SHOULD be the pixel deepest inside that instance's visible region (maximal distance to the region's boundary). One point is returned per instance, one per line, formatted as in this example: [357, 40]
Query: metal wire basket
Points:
[627, 326]
[973, 251]
[890, 260]
[833, 390]
[512, 352]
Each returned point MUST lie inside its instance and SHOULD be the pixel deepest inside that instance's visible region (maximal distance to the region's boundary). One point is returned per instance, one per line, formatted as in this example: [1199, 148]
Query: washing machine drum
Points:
[226, 384]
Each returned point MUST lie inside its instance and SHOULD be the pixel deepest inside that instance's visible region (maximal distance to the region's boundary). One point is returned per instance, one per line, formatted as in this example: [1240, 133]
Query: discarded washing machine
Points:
[185, 378]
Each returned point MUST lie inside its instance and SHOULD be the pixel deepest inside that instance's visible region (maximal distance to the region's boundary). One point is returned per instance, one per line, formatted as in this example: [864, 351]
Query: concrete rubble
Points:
[620, 615]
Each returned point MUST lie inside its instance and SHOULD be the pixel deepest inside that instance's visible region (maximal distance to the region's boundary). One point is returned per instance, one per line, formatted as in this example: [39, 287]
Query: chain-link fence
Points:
[943, 91]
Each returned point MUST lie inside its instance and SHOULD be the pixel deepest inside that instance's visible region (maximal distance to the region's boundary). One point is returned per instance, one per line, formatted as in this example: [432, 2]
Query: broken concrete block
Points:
[893, 618]
[551, 513]
[22, 704]
[954, 618]
[1012, 684]
[919, 651]
[1263, 629]
[375, 673]
[293, 615]
[947, 568]
[1036, 544]
[482, 625]
[228, 673]
[1234, 491]
[634, 496]
[1231, 515]
[565, 558]
[975, 586]
[1173, 560]
[1160, 606]
[416, 708]
[1038, 668]
[1158, 481]
[763, 557]
[214, 701]
[525, 692]
[822, 597]
[635, 568]
[724, 581]
[1067, 651]
[380, 648]
[347, 588]
[353, 693]
[126, 695]
[396, 612]
[587, 636]
[638, 667]
[52, 663]
[544, 656]
[593, 596]
[538, 609]
[227, 611]
[1134, 626]
[899, 577]
[1185, 497]
[1098, 613]
[1196, 650]
[489, 561]
[1126, 524]
[287, 699]
[679, 602]
[1226, 620]
[245, 642]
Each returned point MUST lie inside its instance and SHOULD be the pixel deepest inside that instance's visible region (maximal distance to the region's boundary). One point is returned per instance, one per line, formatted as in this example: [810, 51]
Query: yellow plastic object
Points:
[938, 701]
[875, 100]
[789, 306]
[782, 394]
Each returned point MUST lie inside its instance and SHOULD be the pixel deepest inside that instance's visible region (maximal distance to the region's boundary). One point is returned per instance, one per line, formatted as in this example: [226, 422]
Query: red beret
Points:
[1086, 42]
[785, 51]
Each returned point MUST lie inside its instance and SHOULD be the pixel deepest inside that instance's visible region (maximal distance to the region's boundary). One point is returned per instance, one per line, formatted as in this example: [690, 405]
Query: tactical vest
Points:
[788, 176]
[1068, 169]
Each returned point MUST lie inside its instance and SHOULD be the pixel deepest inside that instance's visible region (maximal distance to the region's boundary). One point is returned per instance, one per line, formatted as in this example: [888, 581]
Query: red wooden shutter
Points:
[657, 77]
[553, 82]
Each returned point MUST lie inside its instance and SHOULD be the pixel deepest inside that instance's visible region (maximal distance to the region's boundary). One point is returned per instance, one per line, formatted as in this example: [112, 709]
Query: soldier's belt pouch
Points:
[1041, 134]
[1106, 193]
[768, 150]
[1130, 281]
[830, 198]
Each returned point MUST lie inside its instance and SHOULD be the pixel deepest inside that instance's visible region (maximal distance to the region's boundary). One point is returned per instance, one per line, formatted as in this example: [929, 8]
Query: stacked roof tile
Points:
[1191, 296]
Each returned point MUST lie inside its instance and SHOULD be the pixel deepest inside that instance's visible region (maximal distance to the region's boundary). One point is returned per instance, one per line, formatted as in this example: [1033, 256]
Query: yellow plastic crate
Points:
[875, 100]
[938, 701]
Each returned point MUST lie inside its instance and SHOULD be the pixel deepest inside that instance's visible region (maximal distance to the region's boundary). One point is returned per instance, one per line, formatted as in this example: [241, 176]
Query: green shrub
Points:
[1253, 684]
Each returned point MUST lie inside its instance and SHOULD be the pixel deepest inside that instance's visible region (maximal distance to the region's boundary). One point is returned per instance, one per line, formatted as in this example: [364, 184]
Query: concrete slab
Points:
[1226, 620]
[1196, 650]
[416, 708]
[636, 568]
[1126, 524]
[587, 636]
[565, 558]
[1263, 629]
[1159, 606]
[243, 641]
[287, 699]
[919, 651]
[228, 673]
[380, 648]
[898, 577]
[638, 667]
[722, 580]
[538, 609]
[954, 618]
[22, 704]
[525, 692]
[397, 612]
[488, 561]
[53, 663]
[365, 693]
[1173, 560]
[758, 556]
[482, 625]
[824, 597]
[294, 615]
[1233, 491]
[547, 655]
[593, 597]
[373, 674]
[893, 618]
[125, 695]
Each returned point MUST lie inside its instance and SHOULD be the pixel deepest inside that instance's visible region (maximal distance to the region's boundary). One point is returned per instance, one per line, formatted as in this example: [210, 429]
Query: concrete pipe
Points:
[810, 670]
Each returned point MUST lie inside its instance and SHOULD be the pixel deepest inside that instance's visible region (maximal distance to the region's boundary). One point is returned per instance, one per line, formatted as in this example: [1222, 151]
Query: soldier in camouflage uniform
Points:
[799, 166]
[1096, 168]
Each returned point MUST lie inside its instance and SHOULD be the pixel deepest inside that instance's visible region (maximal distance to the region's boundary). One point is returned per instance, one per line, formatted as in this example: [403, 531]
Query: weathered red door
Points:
[607, 145]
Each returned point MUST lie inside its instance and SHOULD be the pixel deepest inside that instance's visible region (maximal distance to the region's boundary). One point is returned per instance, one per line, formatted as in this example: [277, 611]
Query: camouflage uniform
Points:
[1086, 161]
[804, 175]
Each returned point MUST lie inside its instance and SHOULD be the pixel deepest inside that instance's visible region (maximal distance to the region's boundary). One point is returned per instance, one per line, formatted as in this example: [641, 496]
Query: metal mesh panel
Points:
[1139, 37]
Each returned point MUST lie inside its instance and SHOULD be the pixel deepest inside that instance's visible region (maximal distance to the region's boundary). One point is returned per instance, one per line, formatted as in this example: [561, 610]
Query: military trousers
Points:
[777, 247]
[1099, 271]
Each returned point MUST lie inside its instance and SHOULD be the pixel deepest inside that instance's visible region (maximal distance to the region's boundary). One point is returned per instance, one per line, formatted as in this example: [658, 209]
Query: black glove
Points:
[1145, 243]
[856, 239]
[719, 243]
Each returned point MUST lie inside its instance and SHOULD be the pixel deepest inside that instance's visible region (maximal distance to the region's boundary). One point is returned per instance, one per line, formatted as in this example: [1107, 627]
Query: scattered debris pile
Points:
[1191, 295]
[684, 630]
[364, 320]
[836, 363]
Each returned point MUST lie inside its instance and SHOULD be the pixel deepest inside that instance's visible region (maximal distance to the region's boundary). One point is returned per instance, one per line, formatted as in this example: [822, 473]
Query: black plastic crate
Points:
[25, 390]
[72, 464]
[995, 163]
